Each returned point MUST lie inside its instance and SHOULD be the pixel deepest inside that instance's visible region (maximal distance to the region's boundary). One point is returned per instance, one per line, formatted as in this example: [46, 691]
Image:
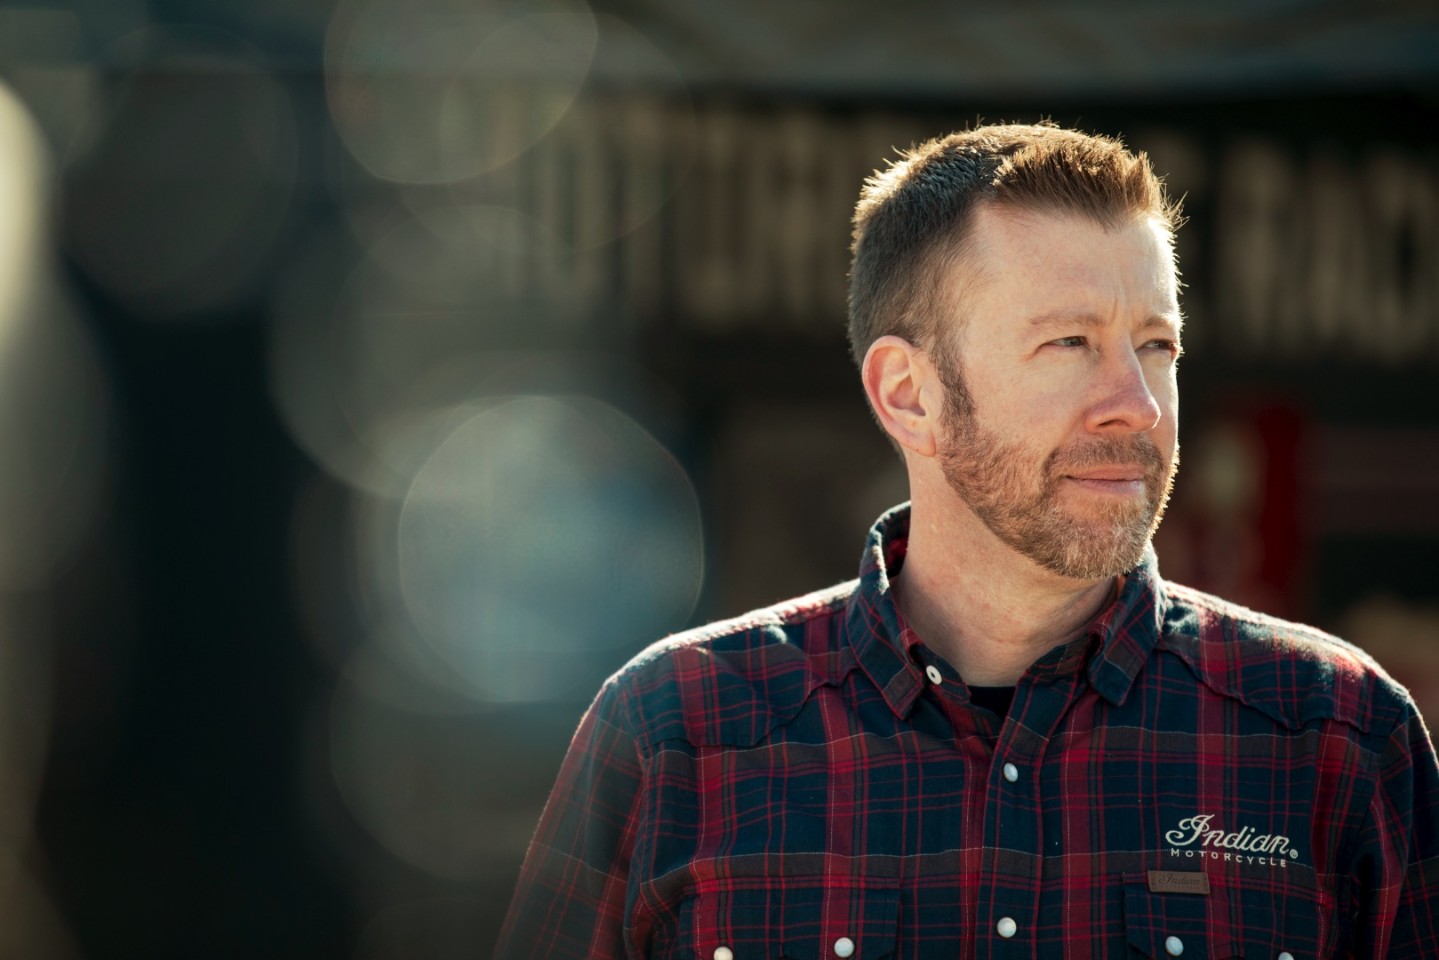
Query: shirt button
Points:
[1173, 946]
[844, 947]
[1286, 955]
[1006, 927]
[932, 672]
[1011, 772]
[724, 953]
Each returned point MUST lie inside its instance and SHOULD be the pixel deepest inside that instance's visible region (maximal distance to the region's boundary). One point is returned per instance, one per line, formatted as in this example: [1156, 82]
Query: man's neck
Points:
[985, 608]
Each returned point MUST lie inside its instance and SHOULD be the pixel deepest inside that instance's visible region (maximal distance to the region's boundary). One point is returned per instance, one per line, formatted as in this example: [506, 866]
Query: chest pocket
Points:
[1258, 922]
[794, 919]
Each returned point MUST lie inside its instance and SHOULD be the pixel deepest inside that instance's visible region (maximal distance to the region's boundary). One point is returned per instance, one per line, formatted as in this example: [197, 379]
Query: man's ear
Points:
[904, 392]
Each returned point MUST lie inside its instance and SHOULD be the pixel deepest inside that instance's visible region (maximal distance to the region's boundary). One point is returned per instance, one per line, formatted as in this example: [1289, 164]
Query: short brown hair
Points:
[912, 220]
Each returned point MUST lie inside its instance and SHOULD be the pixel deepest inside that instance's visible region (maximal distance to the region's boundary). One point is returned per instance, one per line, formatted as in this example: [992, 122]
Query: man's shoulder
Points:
[1295, 673]
[732, 681]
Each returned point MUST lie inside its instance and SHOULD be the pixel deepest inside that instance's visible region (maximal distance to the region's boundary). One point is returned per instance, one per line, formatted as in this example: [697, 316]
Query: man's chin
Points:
[1103, 550]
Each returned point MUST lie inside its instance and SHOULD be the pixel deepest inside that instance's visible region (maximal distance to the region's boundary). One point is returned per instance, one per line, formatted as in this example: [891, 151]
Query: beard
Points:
[1016, 493]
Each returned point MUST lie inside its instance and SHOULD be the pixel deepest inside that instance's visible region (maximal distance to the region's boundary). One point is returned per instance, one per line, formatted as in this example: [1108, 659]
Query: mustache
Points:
[1107, 452]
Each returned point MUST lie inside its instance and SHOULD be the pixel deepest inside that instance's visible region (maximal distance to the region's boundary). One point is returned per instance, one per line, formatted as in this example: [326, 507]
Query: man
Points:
[1010, 737]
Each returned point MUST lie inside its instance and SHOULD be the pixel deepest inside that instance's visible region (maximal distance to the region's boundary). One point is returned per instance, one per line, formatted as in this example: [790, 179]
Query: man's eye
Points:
[1170, 347]
[1068, 342]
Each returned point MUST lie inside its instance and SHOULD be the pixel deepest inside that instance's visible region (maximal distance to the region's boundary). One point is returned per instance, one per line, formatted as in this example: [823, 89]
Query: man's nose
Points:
[1123, 398]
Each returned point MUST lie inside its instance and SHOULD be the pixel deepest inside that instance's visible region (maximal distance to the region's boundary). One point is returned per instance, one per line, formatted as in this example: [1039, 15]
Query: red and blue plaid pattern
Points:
[791, 784]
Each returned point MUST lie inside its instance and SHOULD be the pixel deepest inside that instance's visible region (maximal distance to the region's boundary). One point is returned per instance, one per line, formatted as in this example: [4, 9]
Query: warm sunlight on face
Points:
[1068, 354]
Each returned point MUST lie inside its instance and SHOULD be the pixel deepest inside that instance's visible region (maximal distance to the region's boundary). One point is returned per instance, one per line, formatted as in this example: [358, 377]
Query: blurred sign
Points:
[1293, 253]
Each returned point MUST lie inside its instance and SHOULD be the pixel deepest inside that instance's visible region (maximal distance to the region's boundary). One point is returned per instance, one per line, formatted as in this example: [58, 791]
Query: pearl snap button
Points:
[1286, 955]
[1006, 927]
[1173, 946]
[1011, 772]
[724, 953]
[844, 947]
[932, 672]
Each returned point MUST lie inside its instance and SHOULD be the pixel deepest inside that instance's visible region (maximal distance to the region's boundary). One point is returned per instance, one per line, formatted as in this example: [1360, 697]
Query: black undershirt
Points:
[994, 699]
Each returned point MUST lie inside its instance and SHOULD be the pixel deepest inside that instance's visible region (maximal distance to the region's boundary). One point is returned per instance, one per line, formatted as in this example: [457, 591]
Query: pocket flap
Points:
[1159, 924]
[1248, 922]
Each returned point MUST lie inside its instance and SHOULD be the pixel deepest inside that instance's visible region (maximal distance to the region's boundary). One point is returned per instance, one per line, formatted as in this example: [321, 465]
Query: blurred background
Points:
[376, 377]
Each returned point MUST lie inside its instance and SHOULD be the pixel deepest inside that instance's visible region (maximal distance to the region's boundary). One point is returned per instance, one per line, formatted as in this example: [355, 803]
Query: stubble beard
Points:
[1017, 495]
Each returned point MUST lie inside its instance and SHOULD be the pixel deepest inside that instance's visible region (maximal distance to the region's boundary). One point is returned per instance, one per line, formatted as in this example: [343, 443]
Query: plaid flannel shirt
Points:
[1189, 778]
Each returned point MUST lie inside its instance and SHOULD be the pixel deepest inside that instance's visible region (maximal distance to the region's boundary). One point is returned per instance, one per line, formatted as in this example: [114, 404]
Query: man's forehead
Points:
[994, 218]
[1069, 247]
[1040, 267]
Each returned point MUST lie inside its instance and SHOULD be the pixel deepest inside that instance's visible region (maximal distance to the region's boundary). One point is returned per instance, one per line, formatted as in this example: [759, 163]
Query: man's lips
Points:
[1123, 480]
[1111, 474]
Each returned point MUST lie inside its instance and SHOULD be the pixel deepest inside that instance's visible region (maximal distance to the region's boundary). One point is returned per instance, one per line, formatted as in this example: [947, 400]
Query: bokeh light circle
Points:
[617, 157]
[543, 535]
[434, 91]
[53, 395]
[24, 181]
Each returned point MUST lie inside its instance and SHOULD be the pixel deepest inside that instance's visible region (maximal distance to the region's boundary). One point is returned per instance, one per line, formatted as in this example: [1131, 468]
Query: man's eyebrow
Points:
[1063, 318]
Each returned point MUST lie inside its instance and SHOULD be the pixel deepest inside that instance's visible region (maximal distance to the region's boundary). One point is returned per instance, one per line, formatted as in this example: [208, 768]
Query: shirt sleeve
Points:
[571, 898]
[1399, 882]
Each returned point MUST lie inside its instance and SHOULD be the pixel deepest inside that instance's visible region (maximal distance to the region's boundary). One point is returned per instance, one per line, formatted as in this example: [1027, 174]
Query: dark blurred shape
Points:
[177, 209]
[1404, 637]
[1236, 526]
[1377, 481]
[439, 928]
[413, 322]
[1043, 49]
[419, 782]
[30, 926]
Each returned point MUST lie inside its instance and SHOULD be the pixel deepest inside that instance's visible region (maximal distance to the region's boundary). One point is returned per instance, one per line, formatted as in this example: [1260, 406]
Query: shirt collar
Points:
[1121, 637]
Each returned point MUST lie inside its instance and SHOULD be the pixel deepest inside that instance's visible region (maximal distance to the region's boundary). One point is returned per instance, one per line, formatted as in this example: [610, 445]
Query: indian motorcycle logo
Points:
[1195, 838]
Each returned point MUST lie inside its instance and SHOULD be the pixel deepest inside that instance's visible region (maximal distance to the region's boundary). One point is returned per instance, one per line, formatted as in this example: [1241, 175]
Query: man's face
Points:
[1060, 432]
